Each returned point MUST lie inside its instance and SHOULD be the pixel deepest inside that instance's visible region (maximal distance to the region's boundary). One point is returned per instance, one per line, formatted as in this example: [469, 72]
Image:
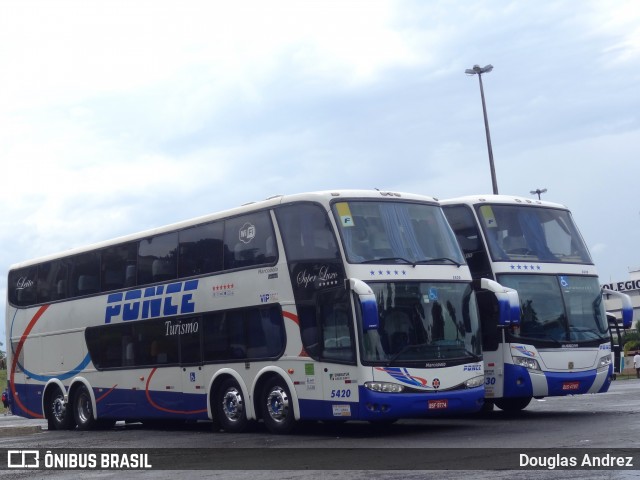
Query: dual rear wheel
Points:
[78, 412]
[275, 402]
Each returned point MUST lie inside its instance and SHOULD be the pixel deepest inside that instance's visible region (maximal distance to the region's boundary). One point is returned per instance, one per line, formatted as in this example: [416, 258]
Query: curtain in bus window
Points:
[534, 235]
[399, 229]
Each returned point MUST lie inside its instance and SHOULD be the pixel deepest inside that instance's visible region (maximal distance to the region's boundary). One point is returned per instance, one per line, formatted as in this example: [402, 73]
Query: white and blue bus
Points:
[330, 306]
[561, 345]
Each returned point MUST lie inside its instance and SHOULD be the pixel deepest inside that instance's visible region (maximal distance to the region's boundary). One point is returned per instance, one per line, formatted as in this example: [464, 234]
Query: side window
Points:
[136, 344]
[470, 240]
[306, 232]
[189, 335]
[216, 337]
[107, 346]
[249, 241]
[157, 259]
[201, 250]
[251, 333]
[52, 281]
[154, 343]
[118, 267]
[84, 274]
[22, 286]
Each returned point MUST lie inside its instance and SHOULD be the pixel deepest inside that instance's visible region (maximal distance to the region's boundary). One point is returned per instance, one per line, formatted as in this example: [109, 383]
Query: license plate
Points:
[438, 404]
[570, 386]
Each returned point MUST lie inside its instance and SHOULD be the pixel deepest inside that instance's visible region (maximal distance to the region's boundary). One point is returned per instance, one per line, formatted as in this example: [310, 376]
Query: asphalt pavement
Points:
[15, 425]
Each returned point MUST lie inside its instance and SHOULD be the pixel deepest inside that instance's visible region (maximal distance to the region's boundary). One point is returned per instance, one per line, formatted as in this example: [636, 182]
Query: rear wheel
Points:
[83, 409]
[277, 407]
[231, 407]
[59, 415]
[512, 404]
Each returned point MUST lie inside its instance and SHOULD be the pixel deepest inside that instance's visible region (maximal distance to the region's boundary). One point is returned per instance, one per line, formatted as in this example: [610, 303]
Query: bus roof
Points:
[319, 196]
[502, 199]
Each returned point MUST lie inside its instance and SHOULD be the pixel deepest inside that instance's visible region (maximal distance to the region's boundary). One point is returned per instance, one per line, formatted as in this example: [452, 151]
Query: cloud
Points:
[121, 116]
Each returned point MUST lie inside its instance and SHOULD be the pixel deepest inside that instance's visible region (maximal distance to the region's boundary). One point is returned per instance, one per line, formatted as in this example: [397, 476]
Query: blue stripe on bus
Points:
[517, 382]
[60, 376]
[555, 382]
[381, 406]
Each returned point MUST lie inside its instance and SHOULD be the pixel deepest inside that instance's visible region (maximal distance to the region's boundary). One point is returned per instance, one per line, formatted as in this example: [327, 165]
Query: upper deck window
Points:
[374, 231]
[532, 234]
[306, 232]
[249, 241]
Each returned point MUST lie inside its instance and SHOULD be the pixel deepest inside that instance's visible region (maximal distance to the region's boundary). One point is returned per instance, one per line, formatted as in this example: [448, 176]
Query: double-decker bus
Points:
[561, 345]
[330, 305]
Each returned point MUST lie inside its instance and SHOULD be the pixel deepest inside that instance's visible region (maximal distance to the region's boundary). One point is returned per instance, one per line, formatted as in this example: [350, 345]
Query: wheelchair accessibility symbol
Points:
[563, 281]
[192, 376]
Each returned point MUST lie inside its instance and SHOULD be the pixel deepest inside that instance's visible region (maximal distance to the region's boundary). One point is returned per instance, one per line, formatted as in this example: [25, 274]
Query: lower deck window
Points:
[244, 334]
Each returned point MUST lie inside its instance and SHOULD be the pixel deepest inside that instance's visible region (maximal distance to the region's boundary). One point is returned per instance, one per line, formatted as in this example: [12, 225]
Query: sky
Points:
[119, 116]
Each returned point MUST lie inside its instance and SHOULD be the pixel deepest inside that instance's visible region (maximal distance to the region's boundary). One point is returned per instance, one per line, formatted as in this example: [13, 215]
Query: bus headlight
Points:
[605, 361]
[525, 362]
[384, 387]
[474, 382]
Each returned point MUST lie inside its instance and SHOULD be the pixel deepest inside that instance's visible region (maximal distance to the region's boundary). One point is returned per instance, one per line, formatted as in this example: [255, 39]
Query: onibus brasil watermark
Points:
[35, 459]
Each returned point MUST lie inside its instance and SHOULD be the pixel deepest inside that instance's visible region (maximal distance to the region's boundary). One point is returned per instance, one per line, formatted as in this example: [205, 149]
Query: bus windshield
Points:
[423, 322]
[396, 232]
[559, 308]
[532, 234]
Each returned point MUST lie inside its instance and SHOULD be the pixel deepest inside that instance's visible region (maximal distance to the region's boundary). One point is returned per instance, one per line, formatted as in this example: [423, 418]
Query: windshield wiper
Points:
[390, 259]
[438, 260]
[404, 349]
[413, 264]
[474, 356]
[438, 348]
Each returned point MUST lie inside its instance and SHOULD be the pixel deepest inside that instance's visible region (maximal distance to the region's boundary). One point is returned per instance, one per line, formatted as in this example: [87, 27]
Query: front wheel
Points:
[59, 416]
[83, 409]
[512, 404]
[277, 407]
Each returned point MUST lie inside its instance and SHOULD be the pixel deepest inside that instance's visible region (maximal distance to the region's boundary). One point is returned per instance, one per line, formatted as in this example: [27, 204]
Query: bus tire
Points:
[277, 407]
[512, 405]
[231, 411]
[59, 415]
[487, 406]
[83, 409]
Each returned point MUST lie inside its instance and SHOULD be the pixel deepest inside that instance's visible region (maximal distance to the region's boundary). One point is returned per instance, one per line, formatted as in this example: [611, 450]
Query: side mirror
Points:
[508, 302]
[627, 306]
[368, 304]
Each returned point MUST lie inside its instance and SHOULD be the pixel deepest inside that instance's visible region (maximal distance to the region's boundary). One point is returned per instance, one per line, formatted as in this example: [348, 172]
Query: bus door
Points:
[339, 372]
[328, 338]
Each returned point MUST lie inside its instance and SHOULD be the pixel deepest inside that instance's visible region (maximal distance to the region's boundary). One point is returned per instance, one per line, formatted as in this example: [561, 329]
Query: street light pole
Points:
[477, 70]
